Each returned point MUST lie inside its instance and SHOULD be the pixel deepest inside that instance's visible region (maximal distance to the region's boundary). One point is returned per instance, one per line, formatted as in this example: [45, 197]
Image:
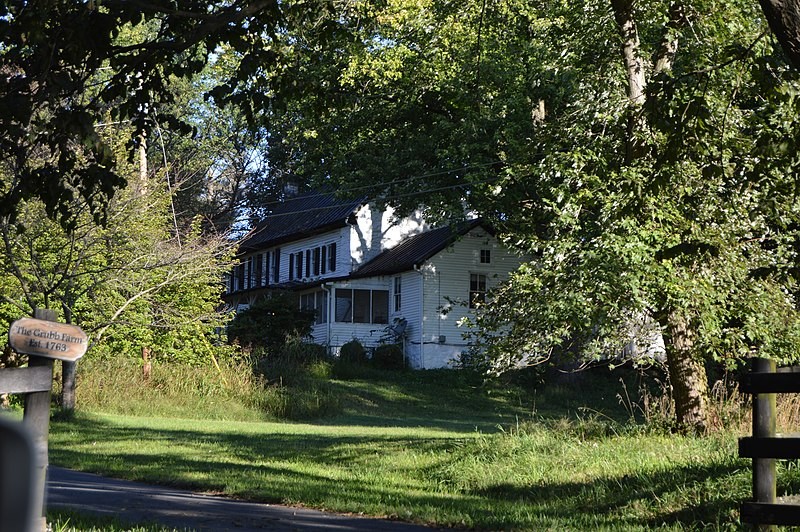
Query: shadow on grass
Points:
[263, 467]
[449, 401]
[695, 496]
[280, 467]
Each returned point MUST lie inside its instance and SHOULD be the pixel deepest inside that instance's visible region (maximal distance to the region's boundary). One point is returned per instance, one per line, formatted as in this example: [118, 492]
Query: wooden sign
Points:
[48, 339]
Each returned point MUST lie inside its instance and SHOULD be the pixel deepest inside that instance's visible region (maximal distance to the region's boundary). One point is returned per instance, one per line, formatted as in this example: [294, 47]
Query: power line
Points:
[353, 190]
[396, 196]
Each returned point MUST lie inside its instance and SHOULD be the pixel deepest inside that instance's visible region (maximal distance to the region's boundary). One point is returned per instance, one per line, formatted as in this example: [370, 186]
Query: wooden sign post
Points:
[44, 340]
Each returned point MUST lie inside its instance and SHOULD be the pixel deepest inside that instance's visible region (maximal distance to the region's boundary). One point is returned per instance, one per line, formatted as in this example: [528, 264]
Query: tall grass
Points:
[420, 458]
[229, 390]
[729, 410]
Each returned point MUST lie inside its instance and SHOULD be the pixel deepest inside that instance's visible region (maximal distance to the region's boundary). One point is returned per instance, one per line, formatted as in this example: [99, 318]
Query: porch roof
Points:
[416, 250]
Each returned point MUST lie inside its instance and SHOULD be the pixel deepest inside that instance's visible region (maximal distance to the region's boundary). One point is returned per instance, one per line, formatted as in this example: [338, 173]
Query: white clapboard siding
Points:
[340, 237]
[446, 292]
[411, 311]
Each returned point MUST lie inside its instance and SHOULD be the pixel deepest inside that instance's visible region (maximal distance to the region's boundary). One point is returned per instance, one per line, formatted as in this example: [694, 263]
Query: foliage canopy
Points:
[642, 153]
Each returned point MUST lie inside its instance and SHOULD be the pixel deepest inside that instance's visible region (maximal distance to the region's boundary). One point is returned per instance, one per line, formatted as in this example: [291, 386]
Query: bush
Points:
[353, 352]
[388, 356]
[302, 353]
[295, 363]
[270, 322]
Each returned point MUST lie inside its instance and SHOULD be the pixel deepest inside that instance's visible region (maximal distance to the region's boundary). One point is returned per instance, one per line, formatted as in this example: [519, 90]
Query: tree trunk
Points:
[688, 377]
[784, 21]
[147, 366]
[68, 370]
[68, 385]
[635, 73]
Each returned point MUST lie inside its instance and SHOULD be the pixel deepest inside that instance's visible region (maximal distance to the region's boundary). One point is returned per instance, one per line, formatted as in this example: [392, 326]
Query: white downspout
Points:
[328, 291]
[421, 316]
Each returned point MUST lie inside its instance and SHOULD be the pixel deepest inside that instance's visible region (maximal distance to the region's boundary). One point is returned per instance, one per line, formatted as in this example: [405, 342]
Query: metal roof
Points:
[416, 250]
[299, 217]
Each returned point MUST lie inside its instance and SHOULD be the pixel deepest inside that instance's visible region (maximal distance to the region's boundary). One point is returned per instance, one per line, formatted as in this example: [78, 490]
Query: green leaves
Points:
[630, 212]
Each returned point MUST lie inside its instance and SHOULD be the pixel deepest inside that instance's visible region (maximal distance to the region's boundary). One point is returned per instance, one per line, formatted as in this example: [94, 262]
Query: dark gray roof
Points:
[304, 215]
[416, 250]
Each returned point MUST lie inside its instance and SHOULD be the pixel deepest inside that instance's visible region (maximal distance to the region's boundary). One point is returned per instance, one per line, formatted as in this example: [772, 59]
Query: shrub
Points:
[388, 356]
[353, 352]
[295, 363]
[302, 353]
[270, 322]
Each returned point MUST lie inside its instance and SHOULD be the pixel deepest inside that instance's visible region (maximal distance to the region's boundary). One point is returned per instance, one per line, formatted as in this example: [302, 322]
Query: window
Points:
[361, 310]
[259, 269]
[380, 306]
[246, 272]
[477, 289]
[318, 302]
[322, 306]
[324, 261]
[315, 262]
[266, 270]
[398, 297]
[298, 264]
[344, 305]
[308, 263]
[362, 306]
[291, 266]
[276, 261]
[486, 256]
[332, 257]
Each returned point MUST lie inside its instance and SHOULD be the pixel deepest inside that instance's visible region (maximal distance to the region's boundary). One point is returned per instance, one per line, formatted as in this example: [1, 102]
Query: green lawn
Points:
[429, 448]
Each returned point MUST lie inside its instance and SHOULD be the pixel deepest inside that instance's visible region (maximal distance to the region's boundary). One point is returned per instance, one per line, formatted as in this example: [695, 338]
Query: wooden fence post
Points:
[43, 340]
[37, 419]
[765, 446]
[764, 480]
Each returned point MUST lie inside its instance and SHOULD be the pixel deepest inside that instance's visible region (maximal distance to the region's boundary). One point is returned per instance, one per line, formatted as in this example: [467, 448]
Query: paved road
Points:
[133, 502]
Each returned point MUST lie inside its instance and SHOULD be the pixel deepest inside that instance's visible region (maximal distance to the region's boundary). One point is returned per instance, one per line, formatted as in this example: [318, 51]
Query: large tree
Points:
[65, 68]
[132, 284]
[641, 152]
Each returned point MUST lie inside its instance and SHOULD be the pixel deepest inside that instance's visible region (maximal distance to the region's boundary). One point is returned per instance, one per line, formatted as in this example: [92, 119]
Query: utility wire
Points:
[352, 190]
[395, 196]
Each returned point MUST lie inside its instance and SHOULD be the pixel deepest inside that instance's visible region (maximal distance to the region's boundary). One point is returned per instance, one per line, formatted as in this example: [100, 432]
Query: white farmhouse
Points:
[371, 275]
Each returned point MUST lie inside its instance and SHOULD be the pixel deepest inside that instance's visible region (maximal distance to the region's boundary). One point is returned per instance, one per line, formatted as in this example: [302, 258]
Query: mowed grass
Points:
[430, 447]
